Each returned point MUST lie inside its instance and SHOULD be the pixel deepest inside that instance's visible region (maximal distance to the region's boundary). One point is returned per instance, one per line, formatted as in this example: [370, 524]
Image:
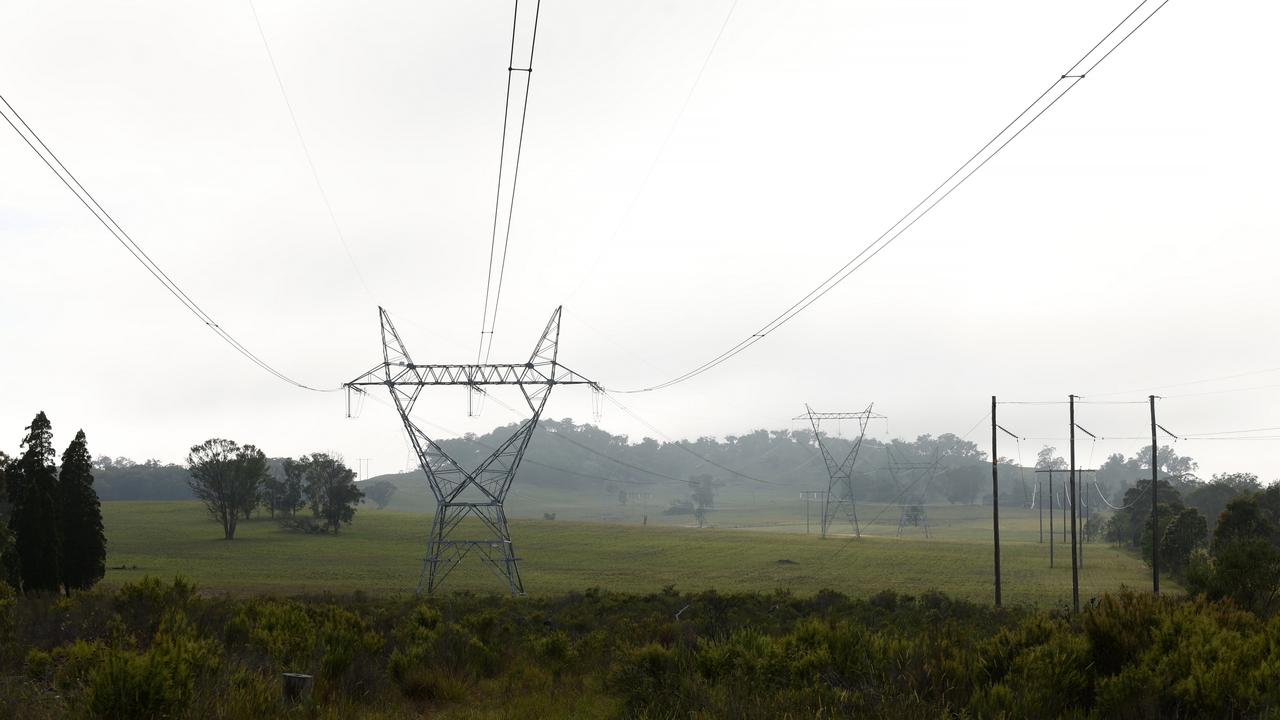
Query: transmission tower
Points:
[478, 493]
[838, 502]
[914, 514]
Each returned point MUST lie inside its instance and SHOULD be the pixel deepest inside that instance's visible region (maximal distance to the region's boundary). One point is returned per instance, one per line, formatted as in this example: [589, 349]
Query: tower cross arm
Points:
[863, 415]
[412, 374]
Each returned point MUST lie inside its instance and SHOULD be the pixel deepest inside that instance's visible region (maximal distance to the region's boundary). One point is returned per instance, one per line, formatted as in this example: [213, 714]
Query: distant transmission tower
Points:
[480, 492]
[913, 513]
[838, 502]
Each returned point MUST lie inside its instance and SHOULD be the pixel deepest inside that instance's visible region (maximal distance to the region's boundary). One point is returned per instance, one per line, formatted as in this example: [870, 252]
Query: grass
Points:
[381, 554]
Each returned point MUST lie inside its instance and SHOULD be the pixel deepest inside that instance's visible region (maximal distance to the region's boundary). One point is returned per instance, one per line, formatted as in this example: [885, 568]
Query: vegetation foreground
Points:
[160, 650]
[382, 554]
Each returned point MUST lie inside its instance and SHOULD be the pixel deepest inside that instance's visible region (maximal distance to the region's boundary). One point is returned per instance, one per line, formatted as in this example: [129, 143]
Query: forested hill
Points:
[569, 457]
[765, 463]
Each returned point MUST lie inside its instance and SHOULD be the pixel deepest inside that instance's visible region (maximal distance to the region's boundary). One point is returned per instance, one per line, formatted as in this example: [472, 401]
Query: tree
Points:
[1166, 512]
[225, 476]
[1048, 459]
[1245, 559]
[1247, 571]
[9, 568]
[281, 490]
[4, 493]
[33, 492]
[331, 490]
[294, 479]
[964, 483]
[704, 495]
[1243, 519]
[1186, 533]
[380, 492]
[1130, 526]
[84, 544]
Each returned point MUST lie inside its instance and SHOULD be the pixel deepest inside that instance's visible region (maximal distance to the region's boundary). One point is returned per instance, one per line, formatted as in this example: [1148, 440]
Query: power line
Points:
[1220, 378]
[488, 319]
[306, 151]
[1061, 86]
[623, 463]
[653, 165]
[685, 448]
[54, 164]
[548, 466]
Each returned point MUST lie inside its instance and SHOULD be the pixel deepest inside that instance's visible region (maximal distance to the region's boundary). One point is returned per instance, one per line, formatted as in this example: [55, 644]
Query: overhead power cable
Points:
[306, 151]
[681, 445]
[555, 468]
[1028, 116]
[51, 160]
[657, 157]
[523, 67]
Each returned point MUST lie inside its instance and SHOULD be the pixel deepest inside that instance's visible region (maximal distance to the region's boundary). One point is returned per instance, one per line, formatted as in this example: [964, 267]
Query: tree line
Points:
[51, 533]
[1220, 538]
[234, 480]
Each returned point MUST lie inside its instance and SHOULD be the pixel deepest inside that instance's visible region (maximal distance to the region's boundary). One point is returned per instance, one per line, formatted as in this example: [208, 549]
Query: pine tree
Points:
[84, 545]
[33, 493]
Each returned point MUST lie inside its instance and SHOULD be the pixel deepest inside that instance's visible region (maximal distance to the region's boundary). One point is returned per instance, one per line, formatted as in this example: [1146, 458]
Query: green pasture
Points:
[381, 554]
[738, 507]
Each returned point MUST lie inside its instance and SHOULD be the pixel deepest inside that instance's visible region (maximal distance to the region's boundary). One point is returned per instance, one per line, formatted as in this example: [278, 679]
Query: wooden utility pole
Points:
[1155, 476]
[1050, 519]
[1075, 558]
[1040, 505]
[995, 494]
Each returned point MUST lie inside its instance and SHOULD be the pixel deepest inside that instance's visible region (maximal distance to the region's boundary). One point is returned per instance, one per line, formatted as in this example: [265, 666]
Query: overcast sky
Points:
[1124, 245]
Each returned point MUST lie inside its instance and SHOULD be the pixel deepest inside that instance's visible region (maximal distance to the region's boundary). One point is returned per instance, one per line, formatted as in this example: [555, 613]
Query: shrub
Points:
[156, 683]
[142, 604]
[39, 665]
[649, 678]
[282, 630]
[130, 686]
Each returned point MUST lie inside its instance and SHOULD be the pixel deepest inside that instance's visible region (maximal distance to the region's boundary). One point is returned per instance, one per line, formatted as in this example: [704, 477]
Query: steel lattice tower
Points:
[840, 473]
[909, 515]
[479, 493]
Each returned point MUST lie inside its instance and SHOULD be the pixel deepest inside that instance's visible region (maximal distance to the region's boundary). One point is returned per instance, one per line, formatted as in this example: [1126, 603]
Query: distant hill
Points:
[582, 468]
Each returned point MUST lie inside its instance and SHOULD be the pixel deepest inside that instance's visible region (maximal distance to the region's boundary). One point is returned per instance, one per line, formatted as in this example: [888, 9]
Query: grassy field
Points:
[381, 553]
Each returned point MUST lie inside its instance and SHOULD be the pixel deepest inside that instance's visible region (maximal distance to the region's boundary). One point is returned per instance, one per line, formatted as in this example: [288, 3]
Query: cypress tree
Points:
[33, 493]
[9, 571]
[84, 545]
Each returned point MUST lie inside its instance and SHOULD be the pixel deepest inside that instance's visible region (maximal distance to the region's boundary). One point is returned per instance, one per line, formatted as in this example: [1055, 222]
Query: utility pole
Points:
[1040, 505]
[1081, 494]
[1075, 566]
[995, 494]
[1050, 519]
[1155, 476]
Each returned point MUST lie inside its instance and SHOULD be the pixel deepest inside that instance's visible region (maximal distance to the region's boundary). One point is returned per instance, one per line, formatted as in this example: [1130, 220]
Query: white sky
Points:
[1125, 242]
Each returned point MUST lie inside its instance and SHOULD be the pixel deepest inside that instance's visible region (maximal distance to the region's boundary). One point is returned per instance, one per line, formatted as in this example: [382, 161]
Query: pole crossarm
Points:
[478, 494]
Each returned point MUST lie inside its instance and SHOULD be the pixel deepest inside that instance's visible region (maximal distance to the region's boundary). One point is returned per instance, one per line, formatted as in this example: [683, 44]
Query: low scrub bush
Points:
[159, 649]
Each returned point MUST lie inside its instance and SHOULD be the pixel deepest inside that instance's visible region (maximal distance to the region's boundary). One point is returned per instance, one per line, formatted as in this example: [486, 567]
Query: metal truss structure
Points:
[913, 514]
[839, 498]
[481, 492]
